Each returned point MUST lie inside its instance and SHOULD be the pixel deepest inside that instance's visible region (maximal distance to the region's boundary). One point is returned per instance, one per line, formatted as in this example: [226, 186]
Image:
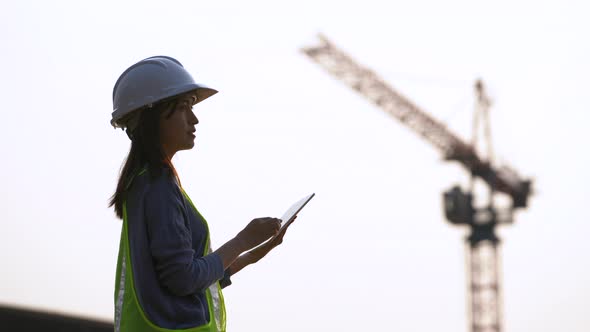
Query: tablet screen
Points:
[294, 209]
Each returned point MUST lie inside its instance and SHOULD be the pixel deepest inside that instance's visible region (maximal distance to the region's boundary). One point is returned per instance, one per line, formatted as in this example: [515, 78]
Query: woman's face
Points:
[177, 127]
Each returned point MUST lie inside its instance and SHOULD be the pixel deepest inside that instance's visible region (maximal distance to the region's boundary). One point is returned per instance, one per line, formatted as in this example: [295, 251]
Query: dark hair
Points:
[146, 152]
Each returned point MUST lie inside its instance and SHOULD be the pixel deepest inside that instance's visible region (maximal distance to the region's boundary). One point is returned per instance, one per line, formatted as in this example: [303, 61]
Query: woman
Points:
[168, 278]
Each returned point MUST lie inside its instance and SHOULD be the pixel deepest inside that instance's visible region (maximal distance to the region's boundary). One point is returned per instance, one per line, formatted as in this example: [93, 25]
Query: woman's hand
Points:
[258, 231]
[256, 254]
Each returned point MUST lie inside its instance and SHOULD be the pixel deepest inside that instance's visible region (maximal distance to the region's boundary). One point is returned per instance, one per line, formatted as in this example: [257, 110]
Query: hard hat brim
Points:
[202, 91]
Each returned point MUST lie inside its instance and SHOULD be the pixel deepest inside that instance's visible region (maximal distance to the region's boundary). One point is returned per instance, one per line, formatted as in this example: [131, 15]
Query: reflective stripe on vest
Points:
[129, 315]
[215, 290]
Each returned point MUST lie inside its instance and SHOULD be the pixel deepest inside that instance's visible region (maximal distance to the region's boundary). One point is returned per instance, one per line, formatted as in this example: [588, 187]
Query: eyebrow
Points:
[184, 102]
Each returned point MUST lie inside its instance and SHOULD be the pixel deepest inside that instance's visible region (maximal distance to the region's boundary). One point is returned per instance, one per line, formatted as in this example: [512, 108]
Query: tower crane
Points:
[482, 242]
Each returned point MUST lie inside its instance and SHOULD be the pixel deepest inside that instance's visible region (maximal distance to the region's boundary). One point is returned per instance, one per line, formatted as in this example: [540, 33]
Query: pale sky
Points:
[372, 251]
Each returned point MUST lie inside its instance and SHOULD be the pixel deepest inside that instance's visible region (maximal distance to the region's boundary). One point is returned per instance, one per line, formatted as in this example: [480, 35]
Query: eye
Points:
[184, 107]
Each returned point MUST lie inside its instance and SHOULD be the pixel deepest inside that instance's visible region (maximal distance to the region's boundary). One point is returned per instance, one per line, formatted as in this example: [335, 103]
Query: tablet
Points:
[288, 217]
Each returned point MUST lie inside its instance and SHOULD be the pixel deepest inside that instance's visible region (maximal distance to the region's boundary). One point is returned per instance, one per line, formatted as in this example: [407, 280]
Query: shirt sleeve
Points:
[177, 266]
[226, 280]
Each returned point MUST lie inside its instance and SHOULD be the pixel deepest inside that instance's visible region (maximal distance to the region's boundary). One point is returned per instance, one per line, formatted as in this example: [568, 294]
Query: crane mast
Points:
[482, 242]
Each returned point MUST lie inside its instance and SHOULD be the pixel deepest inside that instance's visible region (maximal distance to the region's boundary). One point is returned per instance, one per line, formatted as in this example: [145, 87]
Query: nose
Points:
[193, 118]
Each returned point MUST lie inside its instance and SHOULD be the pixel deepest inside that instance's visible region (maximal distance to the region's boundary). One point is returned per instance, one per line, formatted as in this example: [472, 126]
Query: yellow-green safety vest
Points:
[129, 315]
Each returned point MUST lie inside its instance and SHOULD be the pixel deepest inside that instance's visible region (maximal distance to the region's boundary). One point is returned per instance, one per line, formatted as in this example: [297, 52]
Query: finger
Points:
[275, 231]
[282, 231]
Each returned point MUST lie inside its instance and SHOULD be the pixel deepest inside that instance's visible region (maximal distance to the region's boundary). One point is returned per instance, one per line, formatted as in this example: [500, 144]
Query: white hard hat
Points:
[149, 81]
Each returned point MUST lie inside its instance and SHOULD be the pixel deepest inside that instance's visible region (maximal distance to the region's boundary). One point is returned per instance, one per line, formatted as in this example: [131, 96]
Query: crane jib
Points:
[367, 83]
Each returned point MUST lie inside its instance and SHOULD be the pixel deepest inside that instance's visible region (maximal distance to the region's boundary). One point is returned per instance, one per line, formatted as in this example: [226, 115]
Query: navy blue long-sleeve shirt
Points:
[167, 239]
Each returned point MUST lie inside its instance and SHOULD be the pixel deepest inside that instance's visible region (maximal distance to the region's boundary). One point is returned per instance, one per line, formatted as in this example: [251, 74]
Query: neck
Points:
[168, 153]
